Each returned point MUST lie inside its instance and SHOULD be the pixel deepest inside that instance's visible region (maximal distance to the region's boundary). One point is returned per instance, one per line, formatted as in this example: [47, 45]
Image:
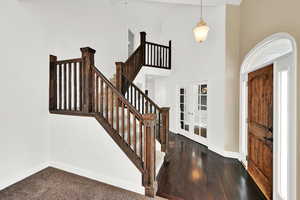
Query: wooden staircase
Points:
[130, 117]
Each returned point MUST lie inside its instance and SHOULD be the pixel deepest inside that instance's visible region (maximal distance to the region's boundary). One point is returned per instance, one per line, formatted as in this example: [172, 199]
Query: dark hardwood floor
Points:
[196, 173]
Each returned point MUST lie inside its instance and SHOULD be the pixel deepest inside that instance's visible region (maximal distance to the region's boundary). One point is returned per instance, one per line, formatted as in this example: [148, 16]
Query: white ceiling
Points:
[197, 2]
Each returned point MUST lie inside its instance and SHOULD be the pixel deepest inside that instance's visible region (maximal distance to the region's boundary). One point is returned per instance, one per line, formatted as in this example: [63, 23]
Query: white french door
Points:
[192, 109]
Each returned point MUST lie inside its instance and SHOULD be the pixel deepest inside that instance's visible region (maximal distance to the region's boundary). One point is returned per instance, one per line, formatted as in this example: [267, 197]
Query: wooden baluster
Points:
[128, 127]
[117, 115]
[123, 121]
[134, 133]
[165, 57]
[159, 56]
[112, 109]
[97, 94]
[155, 55]
[119, 67]
[75, 86]
[88, 87]
[164, 132]
[65, 86]
[146, 105]
[170, 54]
[52, 83]
[139, 101]
[81, 86]
[143, 46]
[152, 56]
[141, 139]
[149, 154]
[143, 105]
[59, 86]
[101, 96]
[159, 127]
[106, 102]
[93, 89]
[135, 99]
[162, 56]
[70, 87]
[147, 54]
[131, 95]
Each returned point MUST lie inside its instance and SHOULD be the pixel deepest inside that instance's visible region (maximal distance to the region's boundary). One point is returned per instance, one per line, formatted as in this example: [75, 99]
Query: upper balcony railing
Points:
[147, 54]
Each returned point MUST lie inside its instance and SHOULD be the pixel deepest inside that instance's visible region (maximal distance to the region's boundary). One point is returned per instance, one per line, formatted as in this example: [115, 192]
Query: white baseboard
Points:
[99, 177]
[22, 175]
[226, 154]
[231, 154]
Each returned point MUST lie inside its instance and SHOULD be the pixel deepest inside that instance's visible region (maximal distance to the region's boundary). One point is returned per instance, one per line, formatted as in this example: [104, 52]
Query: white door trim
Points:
[248, 66]
[188, 85]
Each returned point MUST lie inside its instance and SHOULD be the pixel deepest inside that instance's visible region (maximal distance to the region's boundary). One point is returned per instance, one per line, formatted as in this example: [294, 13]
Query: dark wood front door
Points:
[260, 128]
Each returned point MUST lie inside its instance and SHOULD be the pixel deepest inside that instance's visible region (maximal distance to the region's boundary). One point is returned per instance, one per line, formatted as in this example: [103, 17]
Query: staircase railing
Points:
[157, 55]
[77, 87]
[145, 105]
[147, 54]
[66, 85]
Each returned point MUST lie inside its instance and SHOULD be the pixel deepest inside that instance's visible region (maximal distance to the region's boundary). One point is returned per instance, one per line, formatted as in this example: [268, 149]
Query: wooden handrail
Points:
[69, 61]
[155, 44]
[120, 96]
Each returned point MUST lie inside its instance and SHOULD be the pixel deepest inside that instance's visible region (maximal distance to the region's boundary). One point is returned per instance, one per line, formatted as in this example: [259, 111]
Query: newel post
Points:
[119, 68]
[119, 71]
[52, 83]
[165, 112]
[149, 181]
[88, 55]
[143, 45]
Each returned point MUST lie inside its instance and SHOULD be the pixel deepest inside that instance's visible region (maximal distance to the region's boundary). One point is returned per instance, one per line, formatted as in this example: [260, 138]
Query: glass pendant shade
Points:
[201, 31]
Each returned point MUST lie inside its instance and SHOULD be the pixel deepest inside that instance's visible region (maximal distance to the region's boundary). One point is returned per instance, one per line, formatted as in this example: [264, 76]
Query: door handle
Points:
[270, 139]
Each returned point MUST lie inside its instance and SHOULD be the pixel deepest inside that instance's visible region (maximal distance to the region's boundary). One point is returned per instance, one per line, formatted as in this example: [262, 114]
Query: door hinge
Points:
[247, 158]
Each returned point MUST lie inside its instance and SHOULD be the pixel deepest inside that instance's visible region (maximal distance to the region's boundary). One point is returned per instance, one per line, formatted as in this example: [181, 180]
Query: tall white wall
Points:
[24, 93]
[73, 24]
[31, 137]
[81, 144]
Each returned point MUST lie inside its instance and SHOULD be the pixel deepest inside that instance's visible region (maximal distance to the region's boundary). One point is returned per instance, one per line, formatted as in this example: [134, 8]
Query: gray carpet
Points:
[54, 184]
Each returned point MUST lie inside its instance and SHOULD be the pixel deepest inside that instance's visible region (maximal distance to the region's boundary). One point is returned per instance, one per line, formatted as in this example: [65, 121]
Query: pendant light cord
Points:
[201, 9]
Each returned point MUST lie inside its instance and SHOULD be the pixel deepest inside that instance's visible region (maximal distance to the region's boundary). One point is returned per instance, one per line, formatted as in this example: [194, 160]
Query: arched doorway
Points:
[280, 50]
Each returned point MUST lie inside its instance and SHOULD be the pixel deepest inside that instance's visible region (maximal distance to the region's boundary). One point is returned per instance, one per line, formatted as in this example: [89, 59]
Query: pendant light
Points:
[201, 30]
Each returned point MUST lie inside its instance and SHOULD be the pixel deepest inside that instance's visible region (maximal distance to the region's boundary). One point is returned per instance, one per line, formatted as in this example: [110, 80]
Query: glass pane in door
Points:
[200, 123]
